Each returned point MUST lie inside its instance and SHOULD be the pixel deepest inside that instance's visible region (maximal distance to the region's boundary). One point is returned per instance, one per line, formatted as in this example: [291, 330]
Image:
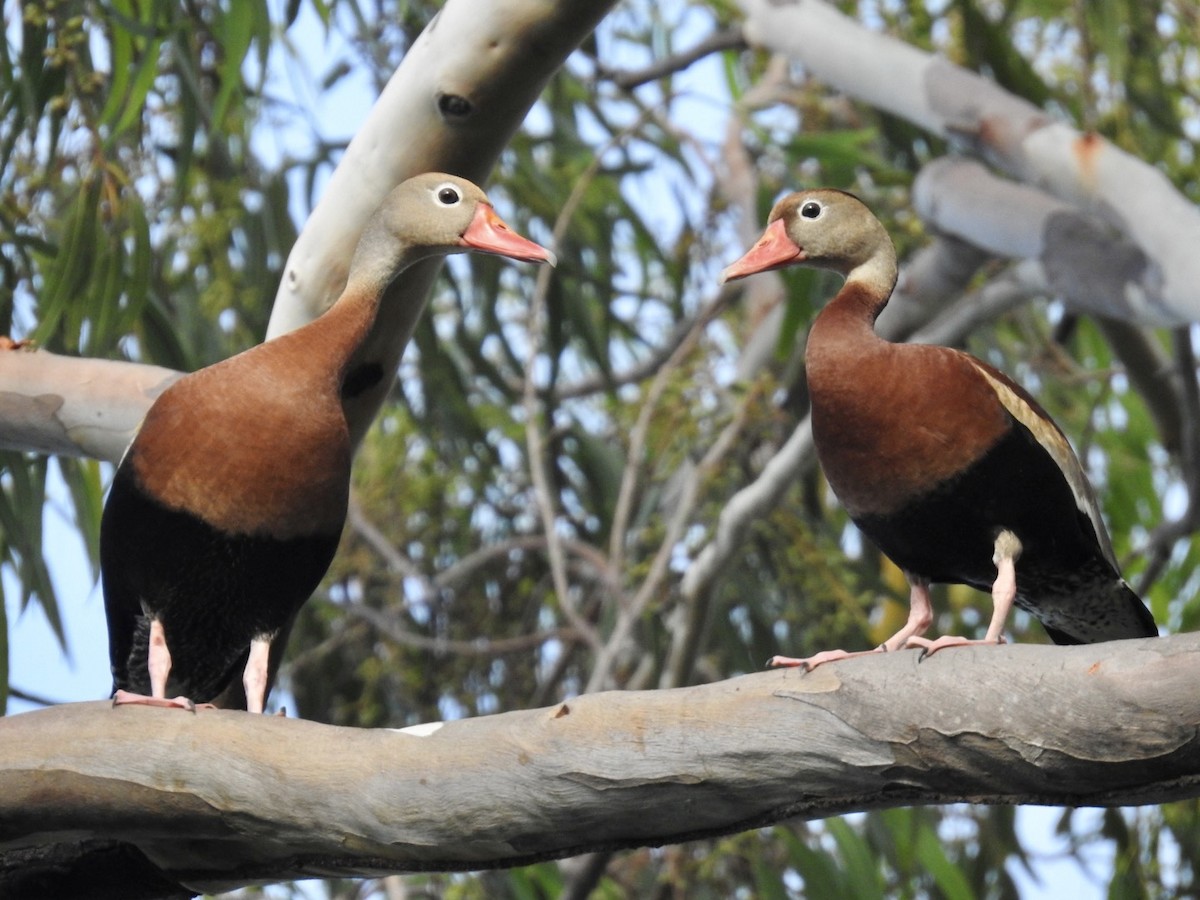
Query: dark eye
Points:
[448, 195]
[811, 209]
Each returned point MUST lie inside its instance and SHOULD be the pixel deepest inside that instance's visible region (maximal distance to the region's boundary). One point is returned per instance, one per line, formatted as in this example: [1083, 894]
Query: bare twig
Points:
[686, 639]
[717, 42]
[535, 443]
[465, 568]
[478, 647]
[649, 408]
[469, 565]
[358, 520]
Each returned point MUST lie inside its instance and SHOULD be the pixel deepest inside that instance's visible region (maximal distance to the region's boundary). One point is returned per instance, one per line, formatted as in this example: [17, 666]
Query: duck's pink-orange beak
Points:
[488, 233]
[774, 250]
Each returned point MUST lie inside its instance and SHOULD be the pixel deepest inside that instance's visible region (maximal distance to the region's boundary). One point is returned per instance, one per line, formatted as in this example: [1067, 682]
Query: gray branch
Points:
[453, 104]
[1085, 170]
[220, 799]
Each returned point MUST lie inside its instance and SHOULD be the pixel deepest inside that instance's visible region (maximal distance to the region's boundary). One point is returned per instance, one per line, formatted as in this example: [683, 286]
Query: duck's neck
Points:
[330, 341]
[340, 331]
[849, 318]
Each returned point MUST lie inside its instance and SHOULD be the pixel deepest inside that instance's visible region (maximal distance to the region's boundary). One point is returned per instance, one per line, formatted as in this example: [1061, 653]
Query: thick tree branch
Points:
[1087, 264]
[459, 94]
[74, 407]
[1108, 724]
[1084, 169]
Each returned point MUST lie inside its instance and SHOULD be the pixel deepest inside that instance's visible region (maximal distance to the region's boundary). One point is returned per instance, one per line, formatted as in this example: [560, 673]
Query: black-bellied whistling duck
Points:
[949, 467]
[226, 509]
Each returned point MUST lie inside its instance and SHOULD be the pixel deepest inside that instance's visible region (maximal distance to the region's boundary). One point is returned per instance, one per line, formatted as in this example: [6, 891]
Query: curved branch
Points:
[458, 95]
[717, 42]
[1105, 724]
[1084, 169]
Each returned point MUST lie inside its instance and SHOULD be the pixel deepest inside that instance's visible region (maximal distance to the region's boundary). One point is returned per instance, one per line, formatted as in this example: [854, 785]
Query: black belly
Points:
[1063, 577]
[213, 592]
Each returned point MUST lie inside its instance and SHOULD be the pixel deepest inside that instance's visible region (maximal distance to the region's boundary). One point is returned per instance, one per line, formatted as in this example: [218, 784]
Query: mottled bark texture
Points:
[219, 799]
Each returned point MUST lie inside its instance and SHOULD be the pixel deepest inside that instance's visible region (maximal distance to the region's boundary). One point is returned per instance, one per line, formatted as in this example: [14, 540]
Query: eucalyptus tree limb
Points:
[221, 799]
[1084, 169]
[1087, 264]
[456, 99]
[74, 407]
[460, 93]
[1006, 290]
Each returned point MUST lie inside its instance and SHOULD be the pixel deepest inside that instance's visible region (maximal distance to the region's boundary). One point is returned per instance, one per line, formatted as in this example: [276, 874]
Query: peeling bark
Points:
[456, 99]
[74, 407]
[220, 799]
[1090, 266]
[1085, 170]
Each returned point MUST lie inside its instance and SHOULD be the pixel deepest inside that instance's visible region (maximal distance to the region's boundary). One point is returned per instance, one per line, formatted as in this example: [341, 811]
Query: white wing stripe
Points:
[1052, 440]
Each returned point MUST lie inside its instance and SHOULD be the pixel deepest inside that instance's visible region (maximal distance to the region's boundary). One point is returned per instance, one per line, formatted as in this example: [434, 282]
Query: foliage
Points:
[123, 229]
[137, 218]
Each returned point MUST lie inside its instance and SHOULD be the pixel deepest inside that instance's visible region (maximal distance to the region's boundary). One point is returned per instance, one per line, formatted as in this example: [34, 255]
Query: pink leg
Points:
[254, 678]
[1004, 592]
[159, 659]
[920, 616]
[159, 666]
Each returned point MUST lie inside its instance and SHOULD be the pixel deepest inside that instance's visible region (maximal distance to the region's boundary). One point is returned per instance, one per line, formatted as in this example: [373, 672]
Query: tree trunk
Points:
[452, 105]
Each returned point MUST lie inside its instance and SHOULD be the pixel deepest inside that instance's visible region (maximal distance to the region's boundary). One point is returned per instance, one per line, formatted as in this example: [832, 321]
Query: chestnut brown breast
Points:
[891, 422]
[261, 422]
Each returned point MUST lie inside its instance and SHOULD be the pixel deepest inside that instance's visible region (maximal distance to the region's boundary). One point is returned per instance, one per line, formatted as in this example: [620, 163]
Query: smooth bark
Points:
[1083, 169]
[456, 99]
[218, 799]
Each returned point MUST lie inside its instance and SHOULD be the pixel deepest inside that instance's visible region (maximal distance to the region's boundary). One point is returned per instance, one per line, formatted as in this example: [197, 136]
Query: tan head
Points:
[825, 229]
[434, 214]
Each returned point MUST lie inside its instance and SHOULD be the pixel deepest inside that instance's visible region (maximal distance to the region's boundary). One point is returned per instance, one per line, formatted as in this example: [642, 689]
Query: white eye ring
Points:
[447, 194]
[811, 209]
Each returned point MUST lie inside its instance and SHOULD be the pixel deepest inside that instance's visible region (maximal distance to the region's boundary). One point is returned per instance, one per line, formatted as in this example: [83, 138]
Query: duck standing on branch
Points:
[227, 507]
[953, 470]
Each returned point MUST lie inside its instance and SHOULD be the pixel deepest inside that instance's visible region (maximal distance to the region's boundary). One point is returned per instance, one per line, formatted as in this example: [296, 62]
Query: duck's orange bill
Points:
[488, 233]
[773, 250]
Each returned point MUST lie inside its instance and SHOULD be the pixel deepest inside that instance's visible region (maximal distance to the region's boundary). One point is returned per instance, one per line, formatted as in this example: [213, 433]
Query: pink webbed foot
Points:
[809, 663]
[128, 698]
[928, 647]
[159, 666]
